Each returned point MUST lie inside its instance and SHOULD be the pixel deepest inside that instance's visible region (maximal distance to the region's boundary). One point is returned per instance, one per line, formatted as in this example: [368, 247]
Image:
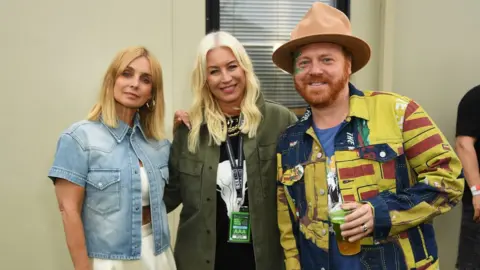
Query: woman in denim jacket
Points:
[110, 171]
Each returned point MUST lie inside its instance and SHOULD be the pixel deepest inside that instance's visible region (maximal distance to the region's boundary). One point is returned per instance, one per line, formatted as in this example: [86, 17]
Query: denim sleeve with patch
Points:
[70, 161]
[437, 182]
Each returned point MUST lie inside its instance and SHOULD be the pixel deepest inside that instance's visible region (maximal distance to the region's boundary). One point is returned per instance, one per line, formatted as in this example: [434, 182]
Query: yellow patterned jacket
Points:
[388, 153]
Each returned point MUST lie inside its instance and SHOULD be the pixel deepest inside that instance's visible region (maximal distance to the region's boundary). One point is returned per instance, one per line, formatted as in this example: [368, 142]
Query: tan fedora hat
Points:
[323, 23]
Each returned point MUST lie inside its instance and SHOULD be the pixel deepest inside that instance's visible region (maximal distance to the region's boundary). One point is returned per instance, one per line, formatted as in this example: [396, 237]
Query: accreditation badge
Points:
[240, 226]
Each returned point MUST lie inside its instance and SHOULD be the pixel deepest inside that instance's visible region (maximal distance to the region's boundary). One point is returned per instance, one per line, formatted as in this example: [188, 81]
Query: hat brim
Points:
[359, 49]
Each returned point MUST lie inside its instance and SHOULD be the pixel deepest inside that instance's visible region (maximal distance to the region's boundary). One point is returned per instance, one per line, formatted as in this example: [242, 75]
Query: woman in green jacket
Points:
[223, 168]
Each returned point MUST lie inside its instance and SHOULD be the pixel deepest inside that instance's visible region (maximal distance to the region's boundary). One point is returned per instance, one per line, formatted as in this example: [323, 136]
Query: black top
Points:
[468, 124]
[231, 256]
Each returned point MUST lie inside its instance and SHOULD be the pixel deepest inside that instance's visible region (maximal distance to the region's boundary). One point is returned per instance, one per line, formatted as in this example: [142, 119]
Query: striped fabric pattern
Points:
[390, 154]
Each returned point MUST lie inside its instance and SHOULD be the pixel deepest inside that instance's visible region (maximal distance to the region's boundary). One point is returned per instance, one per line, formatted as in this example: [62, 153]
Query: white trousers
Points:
[147, 261]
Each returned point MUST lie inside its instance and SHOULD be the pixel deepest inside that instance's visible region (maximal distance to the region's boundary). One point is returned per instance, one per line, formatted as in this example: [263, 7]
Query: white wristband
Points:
[475, 190]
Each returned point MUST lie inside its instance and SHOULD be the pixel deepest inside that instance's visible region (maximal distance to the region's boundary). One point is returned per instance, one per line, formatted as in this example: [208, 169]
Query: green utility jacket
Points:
[193, 183]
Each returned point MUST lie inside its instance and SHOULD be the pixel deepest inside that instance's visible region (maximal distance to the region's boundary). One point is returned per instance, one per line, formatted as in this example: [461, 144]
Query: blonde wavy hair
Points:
[205, 107]
[151, 120]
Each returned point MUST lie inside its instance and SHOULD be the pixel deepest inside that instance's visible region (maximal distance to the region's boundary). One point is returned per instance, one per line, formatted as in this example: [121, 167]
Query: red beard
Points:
[324, 98]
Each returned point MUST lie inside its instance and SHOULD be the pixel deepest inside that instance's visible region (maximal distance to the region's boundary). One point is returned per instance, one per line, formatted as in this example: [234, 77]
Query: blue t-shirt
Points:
[327, 140]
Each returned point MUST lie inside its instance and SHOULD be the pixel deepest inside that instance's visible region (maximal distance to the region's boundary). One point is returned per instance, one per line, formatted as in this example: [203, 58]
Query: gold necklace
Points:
[233, 126]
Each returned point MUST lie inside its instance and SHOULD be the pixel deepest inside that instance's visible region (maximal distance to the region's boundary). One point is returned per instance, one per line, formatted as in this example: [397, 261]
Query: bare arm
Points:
[464, 145]
[70, 200]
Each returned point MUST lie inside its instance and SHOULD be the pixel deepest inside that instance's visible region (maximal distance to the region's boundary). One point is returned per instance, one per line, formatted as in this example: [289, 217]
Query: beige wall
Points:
[54, 54]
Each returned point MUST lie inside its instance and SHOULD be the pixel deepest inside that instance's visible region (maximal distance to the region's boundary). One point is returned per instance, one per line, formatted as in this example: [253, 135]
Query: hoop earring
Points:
[150, 107]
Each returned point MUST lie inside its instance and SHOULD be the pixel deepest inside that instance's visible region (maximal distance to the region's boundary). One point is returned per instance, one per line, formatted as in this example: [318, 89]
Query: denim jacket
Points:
[390, 154]
[104, 161]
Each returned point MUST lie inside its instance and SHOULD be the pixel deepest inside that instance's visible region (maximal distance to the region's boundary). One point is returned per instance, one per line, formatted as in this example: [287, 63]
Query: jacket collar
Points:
[123, 128]
[358, 108]
[358, 104]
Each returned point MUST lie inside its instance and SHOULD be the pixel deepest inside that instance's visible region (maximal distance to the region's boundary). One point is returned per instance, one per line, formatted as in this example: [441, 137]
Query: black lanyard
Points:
[237, 167]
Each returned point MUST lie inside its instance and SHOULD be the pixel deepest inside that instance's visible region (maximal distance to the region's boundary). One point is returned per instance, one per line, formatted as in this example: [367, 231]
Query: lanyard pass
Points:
[237, 167]
[240, 226]
[239, 229]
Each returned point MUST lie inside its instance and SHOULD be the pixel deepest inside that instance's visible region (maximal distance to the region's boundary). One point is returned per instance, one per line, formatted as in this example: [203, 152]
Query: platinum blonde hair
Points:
[205, 108]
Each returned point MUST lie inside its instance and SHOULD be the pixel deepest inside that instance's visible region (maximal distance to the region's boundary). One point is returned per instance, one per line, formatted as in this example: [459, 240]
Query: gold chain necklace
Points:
[233, 126]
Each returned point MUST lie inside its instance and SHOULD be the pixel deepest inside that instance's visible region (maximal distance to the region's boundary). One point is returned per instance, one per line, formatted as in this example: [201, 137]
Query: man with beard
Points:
[376, 154]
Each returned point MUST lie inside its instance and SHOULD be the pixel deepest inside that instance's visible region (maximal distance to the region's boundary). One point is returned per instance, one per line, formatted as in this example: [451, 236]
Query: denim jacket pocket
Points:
[103, 191]
[388, 256]
[382, 152]
[368, 170]
[384, 157]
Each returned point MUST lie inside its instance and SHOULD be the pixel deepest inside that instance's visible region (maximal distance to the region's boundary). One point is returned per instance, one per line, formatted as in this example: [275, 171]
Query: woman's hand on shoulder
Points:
[179, 118]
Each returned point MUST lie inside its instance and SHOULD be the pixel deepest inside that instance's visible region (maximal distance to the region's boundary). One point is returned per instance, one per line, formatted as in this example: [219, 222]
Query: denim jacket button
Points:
[383, 154]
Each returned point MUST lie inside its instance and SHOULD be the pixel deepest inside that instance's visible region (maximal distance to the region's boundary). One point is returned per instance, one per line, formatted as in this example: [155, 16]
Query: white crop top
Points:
[145, 187]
